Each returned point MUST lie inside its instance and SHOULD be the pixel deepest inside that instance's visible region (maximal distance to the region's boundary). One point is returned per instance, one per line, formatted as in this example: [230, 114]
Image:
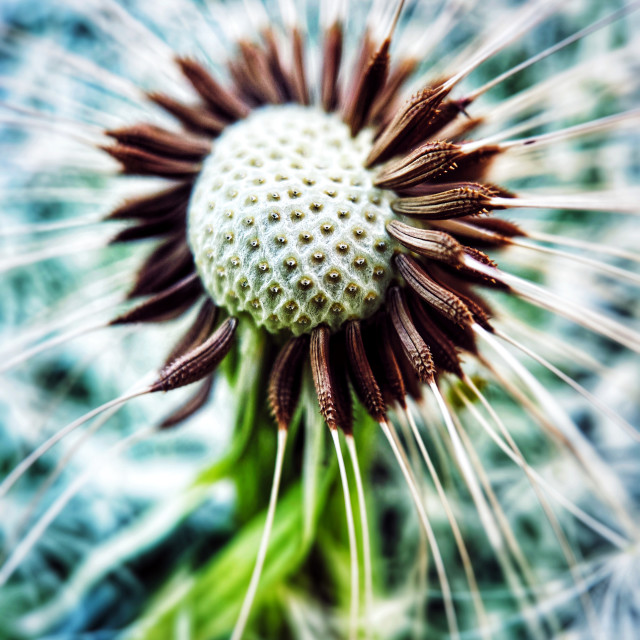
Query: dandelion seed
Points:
[324, 198]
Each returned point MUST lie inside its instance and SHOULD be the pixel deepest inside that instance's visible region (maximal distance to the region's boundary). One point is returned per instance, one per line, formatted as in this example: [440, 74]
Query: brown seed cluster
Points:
[436, 219]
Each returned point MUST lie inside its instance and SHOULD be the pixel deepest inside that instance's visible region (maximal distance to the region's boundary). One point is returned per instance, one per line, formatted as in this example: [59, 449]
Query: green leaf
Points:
[214, 595]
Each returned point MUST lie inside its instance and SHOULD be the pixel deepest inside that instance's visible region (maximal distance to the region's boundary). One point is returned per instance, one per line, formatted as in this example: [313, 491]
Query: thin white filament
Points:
[549, 342]
[60, 467]
[594, 400]
[596, 201]
[289, 14]
[35, 455]
[551, 517]
[375, 17]
[524, 400]
[523, 596]
[86, 308]
[25, 259]
[145, 48]
[247, 603]
[116, 551]
[510, 539]
[422, 563]
[569, 83]
[182, 628]
[68, 456]
[437, 30]
[51, 227]
[55, 341]
[26, 118]
[366, 540]
[551, 423]
[589, 521]
[50, 158]
[596, 265]
[314, 448]
[392, 437]
[541, 297]
[595, 126]
[74, 195]
[82, 69]
[395, 18]
[472, 231]
[256, 15]
[594, 247]
[138, 30]
[484, 511]
[353, 549]
[467, 471]
[563, 110]
[483, 623]
[332, 12]
[39, 90]
[607, 20]
[30, 540]
[605, 483]
[531, 14]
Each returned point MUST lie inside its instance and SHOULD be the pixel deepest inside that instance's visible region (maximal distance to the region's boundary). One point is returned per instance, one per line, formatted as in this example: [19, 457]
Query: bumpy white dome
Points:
[285, 223]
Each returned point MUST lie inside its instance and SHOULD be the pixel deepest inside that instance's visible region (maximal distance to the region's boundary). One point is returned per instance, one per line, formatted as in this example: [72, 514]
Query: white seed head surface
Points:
[286, 225]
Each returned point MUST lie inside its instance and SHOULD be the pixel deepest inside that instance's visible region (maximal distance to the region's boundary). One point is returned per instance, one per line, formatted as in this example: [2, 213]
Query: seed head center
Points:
[286, 225]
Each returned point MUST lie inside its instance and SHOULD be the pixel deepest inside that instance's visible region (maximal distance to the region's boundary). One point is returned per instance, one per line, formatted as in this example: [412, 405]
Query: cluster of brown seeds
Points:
[429, 310]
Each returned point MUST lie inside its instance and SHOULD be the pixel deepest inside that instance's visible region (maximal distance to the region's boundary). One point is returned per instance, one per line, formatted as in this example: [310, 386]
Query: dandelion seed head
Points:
[286, 225]
[388, 193]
